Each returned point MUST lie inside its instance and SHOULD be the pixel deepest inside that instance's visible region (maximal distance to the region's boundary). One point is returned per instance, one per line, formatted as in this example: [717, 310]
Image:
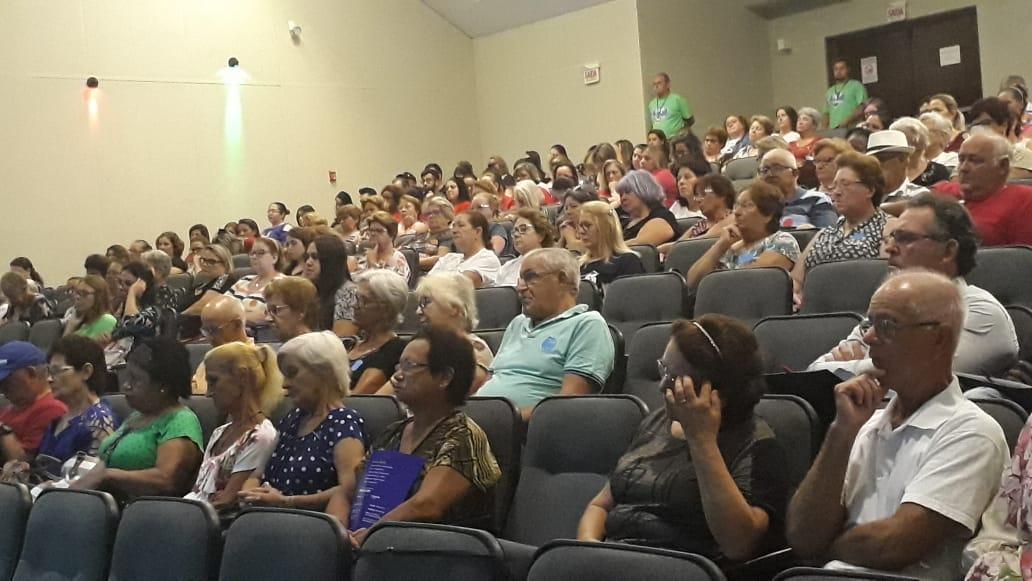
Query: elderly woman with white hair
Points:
[920, 170]
[161, 265]
[448, 301]
[806, 126]
[437, 240]
[321, 442]
[382, 295]
[527, 194]
[649, 222]
[940, 132]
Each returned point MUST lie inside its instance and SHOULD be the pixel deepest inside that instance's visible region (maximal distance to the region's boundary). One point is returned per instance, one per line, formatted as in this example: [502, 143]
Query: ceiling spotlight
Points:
[233, 62]
[92, 82]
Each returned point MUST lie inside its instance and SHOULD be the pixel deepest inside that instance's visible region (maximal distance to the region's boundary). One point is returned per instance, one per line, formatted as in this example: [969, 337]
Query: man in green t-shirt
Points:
[668, 112]
[843, 100]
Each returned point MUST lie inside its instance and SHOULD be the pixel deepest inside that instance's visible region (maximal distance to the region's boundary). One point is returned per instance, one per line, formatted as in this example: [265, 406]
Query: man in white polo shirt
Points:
[902, 488]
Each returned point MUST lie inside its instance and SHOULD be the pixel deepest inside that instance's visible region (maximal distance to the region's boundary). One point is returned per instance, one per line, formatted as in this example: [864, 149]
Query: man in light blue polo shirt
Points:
[556, 347]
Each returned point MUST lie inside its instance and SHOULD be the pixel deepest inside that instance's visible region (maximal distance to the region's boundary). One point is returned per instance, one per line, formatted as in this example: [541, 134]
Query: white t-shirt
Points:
[484, 263]
[509, 273]
[946, 457]
[245, 455]
[789, 137]
[680, 211]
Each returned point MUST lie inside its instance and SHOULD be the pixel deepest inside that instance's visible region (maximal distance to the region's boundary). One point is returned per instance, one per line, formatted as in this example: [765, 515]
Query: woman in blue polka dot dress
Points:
[321, 442]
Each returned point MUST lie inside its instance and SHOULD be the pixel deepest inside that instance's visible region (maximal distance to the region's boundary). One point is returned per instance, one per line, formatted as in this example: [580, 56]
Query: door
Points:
[908, 59]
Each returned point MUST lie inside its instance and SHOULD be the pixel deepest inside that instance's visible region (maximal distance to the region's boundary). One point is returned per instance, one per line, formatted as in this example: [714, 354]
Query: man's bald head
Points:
[779, 169]
[984, 165]
[223, 320]
[782, 157]
[923, 296]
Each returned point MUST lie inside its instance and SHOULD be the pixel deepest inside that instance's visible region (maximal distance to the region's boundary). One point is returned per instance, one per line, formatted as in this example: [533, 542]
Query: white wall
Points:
[800, 77]
[374, 87]
[530, 90]
[715, 51]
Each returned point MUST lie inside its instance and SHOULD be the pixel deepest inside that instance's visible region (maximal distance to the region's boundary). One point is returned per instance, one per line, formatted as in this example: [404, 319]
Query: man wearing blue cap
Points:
[25, 382]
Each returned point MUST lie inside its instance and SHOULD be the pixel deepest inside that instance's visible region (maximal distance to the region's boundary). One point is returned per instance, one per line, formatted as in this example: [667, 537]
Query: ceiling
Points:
[479, 18]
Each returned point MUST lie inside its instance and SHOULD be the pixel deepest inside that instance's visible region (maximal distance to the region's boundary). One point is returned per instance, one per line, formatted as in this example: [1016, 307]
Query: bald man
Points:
[803, 208]
[902, 488]
[222, 321]
[1000, 210]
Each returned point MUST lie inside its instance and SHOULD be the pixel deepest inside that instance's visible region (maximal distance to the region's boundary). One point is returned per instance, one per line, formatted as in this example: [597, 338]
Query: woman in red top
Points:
[458, 194]
[655, 161]
[806, 127]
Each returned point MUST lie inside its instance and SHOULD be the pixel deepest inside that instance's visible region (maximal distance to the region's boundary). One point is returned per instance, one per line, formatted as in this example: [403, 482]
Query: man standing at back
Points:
[843, 98]
[669, 112]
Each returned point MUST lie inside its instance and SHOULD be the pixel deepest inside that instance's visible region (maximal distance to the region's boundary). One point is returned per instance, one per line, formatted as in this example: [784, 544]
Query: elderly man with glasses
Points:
[32, 407]
[936, 233]
[222, 321]
[902, 488]
[803, 208]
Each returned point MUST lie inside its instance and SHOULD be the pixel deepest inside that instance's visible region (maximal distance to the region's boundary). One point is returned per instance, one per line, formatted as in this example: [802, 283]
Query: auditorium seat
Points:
[197, 352]
[793, 342]
[241, 261]
[649, 257]
[643, 351]
[1022, 318]
[17, 331]
[243, 271]
[15, 503]
[45, 333]
[569, 560]
[181, 282]
[803, 236]
[796, 427]
[684, 254]
[742, 171]
[207, 414]
[685, 224]
[573, 443]
[412, 258]
[273, 544]
[748, 294]
[166, 539]
[587, 294]
[818, 574]
[1006, 272]
[377, 411]
[1007, 413]
[493, 338]
[118, 405]
[502, 424]
[84, 521]
[497, 306]
[633, 301]
[412, 551]
[842, 286]
[410, 316]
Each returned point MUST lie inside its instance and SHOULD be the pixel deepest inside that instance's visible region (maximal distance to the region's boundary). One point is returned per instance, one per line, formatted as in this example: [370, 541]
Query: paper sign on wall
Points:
[896, 11]
[869, 70]
[591, 74]
[949, 55]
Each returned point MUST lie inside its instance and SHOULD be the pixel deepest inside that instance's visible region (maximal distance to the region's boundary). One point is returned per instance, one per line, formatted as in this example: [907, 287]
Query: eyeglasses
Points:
[406, 367]
[843, 184]
[434, 213]
[818, 162]
[209, 332]
[276, 310]
[483, 206]
[57, 370]
[772, 169]
[530, 277]
[208, 261]
[374, 231]
[523, 229]
[258, 254]
[887, 330]
[903, 238]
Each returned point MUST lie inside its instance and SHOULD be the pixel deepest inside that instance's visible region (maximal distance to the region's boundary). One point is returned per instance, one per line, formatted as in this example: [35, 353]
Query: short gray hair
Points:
[453, 289]
[916, 132]
[641, 184]
[324, 353]
[559, 260]
[812, 113]
[938, 124]
[389, 287]
[782, 155]
[159, 262]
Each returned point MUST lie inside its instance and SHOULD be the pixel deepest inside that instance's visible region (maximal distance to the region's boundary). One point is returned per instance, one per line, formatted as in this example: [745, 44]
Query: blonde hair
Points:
[527, 194]
[610, 235]
[323, 353]
[454, 290]
[313, 219]
[258, 362]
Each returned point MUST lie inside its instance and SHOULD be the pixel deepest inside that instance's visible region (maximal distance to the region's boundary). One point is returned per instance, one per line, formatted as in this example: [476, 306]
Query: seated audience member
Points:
[856, 193]
[612, 172]
[606, 256]
[656, 162]
[902, 488]
[278, 227]
[940, 131]
[293, 302]
[760, 127]
[434, 376]
[137, 248]
[22, 305]
[802, 208]
[32, 407]
[321, 442]
[556, 347]
[247, 232]
[1020, 164]
[936, 233]
[688, 173]
[946, 106]
[377, 247]
[409, 209]
[172, 245]
[140, 317]
[195, 247]
[736, 128]
[715, 195]
[785, 121]
[527, 194]
[298, 239]
[161, 267]
[157, 449]
[265, 254]
[199, 232]
[381, 299]
[807, 125]
[920, 170]
[457, 193]
[78, 377]
[994, 115]
[23, 267]
[858, 138]
[326, 265]
[245, 385]
[1000, 210]
[753, 241]
[531, 231]
[713, 142]
[349, 217]
[90, 316]
[473, 257]
[487, 204]
[216, 266]
[438, 239]
[824, 153]
[703, 474]
[222, 321]
[301, 216]
[649, 221]
[116, 253]
[891, 149]
[769, 143]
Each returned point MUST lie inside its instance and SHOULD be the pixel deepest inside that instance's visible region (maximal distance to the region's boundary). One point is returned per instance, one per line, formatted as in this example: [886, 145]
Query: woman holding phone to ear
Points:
[703, 474]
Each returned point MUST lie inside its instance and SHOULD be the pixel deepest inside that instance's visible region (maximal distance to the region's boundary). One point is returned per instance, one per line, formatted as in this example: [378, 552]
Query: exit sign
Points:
[896, 11]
